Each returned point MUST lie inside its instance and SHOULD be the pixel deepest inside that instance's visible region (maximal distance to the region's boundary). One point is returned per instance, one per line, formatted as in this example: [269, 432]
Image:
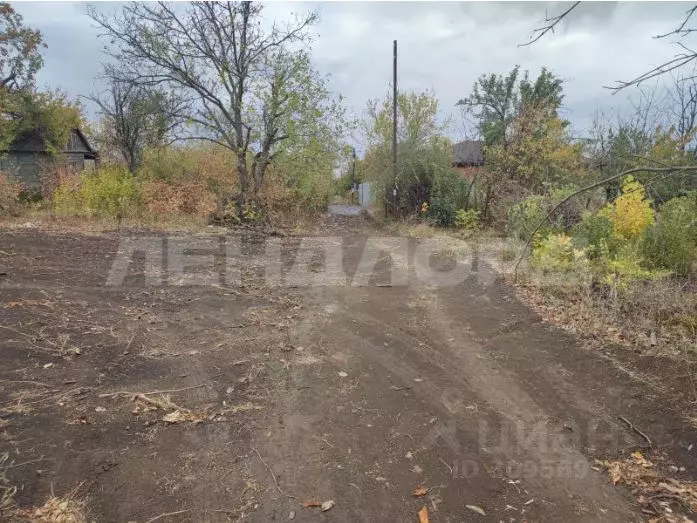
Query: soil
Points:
[285, 395]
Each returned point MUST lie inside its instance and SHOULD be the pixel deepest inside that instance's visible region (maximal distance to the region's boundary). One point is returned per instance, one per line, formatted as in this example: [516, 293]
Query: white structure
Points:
[364, 195]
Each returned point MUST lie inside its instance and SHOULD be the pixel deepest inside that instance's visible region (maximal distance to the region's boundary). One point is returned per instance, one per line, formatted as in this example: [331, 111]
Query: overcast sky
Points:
[443, 46]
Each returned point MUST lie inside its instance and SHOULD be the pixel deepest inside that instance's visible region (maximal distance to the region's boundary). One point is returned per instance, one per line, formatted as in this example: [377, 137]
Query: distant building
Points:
[469, 153]
[27, 156]
[468, 157]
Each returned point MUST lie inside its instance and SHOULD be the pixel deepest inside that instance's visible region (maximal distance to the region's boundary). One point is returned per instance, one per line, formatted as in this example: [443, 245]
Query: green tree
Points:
[496, 100]
[52, 115]
[539, 154]
[20, 50]
[20, 59]
[424, 154]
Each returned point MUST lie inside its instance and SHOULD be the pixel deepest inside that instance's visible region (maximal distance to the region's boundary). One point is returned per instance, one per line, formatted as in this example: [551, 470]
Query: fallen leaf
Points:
[327, 505]
[423, 515]
[343, 374]
[475, 508]
[420, 491]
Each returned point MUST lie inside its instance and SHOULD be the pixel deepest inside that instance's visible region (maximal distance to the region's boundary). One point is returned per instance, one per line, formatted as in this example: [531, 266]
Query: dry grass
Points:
[7, 491]
[175, 413]
[70, 508]
[47, 220]
[658, 317]
[661, 497]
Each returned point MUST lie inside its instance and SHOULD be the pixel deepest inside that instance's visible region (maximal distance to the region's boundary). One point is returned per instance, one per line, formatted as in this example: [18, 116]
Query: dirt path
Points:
[352, 394]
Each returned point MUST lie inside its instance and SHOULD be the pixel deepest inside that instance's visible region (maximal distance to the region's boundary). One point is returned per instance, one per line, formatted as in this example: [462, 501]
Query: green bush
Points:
[594, 233]
[467, 220]
[523, 217]
[441, 213]
[628, 266]
[111, 191]
[452, 186]
[671, 244]
[556, 253]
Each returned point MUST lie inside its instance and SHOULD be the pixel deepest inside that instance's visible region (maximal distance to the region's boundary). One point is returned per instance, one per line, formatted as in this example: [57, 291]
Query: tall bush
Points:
[631, 213]
[109, 192]
[10, 192]
[672, 243]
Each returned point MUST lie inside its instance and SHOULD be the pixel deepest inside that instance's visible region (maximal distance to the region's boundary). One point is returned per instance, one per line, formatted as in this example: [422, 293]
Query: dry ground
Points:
[218, 403]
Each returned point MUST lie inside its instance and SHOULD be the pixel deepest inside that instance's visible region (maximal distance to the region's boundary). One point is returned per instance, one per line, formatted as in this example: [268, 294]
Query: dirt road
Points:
[225, 403]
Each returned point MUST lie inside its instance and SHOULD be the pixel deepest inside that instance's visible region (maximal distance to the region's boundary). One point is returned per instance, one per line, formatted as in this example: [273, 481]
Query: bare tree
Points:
[135, 118]
[247, 81]
[683, 108]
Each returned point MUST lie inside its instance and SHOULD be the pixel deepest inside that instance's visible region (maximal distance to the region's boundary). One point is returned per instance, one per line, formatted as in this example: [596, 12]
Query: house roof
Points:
[33, 141]
[468, 152]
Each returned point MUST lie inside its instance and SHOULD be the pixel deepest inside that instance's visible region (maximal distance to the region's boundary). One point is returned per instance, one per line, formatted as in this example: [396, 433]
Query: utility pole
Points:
[353, 175]
[394, 127]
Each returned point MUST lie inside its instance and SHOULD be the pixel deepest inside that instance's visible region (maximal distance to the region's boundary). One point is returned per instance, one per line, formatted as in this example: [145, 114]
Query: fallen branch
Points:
[164, 405]
[37, 383]
[635, 429]
[167, 514]
[170, 391]
[446, 464]
[322, 439]
[273, 476]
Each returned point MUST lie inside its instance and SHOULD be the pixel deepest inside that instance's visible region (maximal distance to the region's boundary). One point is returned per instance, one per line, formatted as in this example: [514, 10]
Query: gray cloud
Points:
[442, 46]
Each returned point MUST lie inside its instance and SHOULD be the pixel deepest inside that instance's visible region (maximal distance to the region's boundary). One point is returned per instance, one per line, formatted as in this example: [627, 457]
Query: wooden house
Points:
[27, 156]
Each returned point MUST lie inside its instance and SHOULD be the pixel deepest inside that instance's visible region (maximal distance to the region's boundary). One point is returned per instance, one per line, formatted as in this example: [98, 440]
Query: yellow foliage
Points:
[631, 212]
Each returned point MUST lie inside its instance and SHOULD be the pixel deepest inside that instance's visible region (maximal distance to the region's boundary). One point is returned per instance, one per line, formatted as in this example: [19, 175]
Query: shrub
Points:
[556, 253]
[524, 217]
[631, 212]
[10, 193]
[595, 234]
[441, 213]
[111, 191]
[210, 166]
[452, 186]
[186, 197]
[672, 243]
[627, 266]
[467, 220]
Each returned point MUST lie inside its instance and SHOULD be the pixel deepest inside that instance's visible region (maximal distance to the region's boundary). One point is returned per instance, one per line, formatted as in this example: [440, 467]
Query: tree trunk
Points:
[243, 177]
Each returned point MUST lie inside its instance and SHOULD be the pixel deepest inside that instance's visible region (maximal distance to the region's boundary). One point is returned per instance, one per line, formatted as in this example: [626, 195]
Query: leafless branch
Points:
[681, 30]
[552, 23]
[677, 62]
